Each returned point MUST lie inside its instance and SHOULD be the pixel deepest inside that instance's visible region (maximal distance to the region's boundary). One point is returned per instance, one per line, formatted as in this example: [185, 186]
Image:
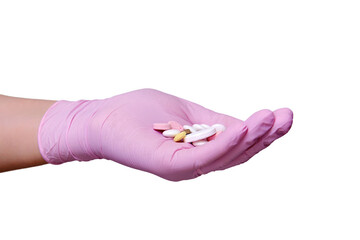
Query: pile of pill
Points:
[197, 134]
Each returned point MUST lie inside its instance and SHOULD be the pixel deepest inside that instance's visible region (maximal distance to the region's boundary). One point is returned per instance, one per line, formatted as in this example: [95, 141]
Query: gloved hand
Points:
[120, 128]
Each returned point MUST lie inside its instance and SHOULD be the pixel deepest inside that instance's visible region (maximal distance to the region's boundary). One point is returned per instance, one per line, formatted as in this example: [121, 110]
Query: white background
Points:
[234, 57]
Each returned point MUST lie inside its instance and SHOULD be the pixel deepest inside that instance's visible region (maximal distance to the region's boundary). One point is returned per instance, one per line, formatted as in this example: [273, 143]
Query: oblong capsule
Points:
[170, 132]
[178, 137]
[187, 131]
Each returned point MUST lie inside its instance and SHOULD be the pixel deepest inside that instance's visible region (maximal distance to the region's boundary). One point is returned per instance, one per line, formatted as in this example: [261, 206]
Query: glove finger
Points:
[283, 123]
[259, 123]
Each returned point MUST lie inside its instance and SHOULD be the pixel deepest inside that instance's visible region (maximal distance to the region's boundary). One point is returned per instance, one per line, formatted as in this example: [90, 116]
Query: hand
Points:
[120, 129]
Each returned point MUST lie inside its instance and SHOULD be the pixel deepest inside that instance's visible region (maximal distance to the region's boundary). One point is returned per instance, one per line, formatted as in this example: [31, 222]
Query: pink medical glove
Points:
[120, 129]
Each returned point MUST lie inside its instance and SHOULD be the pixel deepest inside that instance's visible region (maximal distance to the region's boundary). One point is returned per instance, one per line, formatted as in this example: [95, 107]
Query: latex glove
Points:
[120, 129]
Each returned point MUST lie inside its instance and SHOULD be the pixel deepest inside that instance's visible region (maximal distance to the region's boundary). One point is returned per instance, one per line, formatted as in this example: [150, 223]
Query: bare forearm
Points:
[19, 122]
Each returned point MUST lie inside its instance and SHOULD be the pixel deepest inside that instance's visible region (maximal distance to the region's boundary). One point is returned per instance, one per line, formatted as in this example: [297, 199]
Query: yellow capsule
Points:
[178, 137]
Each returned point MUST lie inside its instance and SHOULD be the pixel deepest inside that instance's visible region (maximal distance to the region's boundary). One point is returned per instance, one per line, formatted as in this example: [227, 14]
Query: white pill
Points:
[190, 128]
[205, 125]
[199, 143]
[199, 135]
[170, 132]
[197, 127]
[219, 127]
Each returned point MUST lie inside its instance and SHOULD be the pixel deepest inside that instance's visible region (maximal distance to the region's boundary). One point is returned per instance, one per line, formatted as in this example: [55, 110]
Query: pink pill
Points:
[161, 126]
[214, 136]
[176, 125]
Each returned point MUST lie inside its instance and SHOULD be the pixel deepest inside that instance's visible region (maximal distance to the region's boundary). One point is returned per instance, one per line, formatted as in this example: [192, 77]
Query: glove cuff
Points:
[63, 132]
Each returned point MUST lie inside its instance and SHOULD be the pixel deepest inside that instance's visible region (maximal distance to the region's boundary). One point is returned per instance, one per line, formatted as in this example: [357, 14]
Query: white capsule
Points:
[199, 135]
[199, 143]
[197, 127]
[170, 132]
[219, 127]
[205, 125]
[190, 128]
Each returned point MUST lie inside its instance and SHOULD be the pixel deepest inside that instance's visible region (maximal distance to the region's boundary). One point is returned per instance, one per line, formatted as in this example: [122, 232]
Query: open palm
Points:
[127, 136]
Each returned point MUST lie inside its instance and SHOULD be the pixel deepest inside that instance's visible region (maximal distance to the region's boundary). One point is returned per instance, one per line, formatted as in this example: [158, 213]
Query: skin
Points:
[19, 122]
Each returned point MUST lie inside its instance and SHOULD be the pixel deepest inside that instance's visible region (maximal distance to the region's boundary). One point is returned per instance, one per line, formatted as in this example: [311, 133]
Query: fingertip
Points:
[285, 118]
[285, 112]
